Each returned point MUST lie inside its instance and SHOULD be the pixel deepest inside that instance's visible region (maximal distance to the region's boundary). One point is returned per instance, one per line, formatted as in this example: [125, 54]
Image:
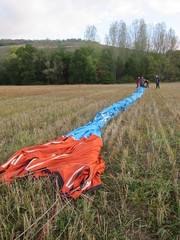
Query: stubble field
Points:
[140, 194]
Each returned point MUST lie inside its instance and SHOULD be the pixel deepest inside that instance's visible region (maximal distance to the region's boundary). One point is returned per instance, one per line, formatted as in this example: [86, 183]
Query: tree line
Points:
[129, 51]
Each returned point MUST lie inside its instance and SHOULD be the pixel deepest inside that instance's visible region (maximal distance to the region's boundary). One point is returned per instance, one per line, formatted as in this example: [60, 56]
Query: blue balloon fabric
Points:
[75, 159]
[105, 116]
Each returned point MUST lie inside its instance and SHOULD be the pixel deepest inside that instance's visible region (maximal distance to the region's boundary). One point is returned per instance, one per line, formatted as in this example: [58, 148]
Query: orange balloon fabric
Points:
[76, 163]
[74, 159]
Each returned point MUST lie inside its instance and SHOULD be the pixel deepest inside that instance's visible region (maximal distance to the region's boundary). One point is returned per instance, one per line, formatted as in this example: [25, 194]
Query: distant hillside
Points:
[46, 42]
[69, 44]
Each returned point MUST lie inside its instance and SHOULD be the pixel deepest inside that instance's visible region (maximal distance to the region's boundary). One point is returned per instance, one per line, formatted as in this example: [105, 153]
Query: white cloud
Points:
[166, 7]
[61, 19]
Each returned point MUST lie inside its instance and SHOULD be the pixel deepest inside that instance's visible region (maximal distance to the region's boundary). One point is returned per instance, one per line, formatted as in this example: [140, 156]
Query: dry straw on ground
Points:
[140, 195]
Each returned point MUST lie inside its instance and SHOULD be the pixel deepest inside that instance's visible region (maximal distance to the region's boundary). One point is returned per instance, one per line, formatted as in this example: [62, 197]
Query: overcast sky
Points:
[62, 19]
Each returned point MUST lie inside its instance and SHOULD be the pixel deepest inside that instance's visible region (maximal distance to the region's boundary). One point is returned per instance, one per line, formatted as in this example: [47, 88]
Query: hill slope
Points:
[69, 44]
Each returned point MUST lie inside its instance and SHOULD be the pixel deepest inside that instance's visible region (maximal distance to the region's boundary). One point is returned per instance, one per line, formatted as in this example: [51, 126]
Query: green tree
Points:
[131, 67]
[66, 63]
[10, 69]
[40, 66]
[106, 67]
[26, 61]
[173, 71]
[54, 66]
[91, 33]
[83, 66]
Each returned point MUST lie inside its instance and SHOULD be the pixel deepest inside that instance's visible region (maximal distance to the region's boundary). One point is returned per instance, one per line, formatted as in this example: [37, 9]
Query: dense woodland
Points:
[129, 51]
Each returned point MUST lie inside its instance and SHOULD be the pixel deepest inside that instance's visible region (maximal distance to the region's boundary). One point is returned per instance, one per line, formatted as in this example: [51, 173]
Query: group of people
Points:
[145, 83]
[142, 82]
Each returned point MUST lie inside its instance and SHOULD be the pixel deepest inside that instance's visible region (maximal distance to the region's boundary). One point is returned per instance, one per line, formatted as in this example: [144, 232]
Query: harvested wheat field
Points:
[140, 194]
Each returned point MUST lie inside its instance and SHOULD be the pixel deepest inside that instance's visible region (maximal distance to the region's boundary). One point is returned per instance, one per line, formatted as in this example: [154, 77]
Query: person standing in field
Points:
[142, 82]
[157, 80]
[137, 81]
